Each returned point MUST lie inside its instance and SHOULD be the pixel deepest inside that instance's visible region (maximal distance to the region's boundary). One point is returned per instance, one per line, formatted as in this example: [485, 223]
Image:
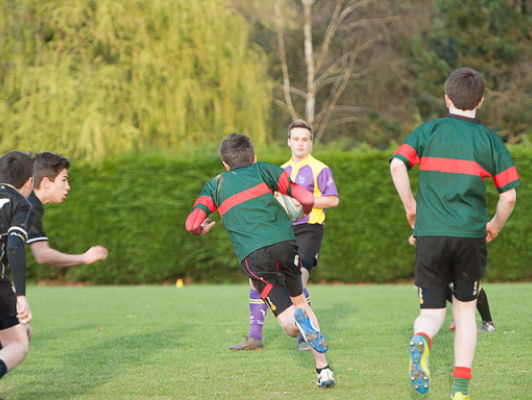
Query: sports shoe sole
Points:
[419, 368]
[310, 334]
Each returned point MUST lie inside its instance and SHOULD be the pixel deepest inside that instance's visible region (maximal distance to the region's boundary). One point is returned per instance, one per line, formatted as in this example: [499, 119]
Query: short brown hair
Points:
[237, 149]
[465, 87]
[16, 168]
[48, 165]
[299, 123]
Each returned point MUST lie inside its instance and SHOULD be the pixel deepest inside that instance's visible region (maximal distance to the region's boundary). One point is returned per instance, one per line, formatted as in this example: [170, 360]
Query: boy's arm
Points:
[402, 184]
[505, 206]
[326, 202]
[302, 195]
[45, 255]
[327, 186]
[16, 257]
[198, 223]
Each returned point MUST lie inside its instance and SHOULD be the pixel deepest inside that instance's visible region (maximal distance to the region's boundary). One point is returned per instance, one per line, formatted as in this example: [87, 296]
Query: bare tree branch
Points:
[284, 105]
[294, 90]
[349, 109]
[329, 34]
[367, 22]
[334, 78]
[346, 120]
[309, 60]
[338, 89]
[282, 55]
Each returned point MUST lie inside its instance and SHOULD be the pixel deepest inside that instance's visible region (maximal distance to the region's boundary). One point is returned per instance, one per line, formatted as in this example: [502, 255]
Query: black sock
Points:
[318, 370]
[483, 306]
[3, 369]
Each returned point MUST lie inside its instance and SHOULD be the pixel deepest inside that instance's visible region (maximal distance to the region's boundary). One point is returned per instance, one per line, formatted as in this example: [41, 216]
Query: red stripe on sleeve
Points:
[206, 201]
[409, 153]
[505, 177]
[241, 197]
[453, 166]
[283, 182]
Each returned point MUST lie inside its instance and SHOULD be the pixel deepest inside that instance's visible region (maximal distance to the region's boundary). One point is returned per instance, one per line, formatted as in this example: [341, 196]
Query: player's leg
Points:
[257, 314]
[470, 261]
[483, 308]
[433, 274]
[449, 296]
[15, 347]
[426, 326]
[306, 262]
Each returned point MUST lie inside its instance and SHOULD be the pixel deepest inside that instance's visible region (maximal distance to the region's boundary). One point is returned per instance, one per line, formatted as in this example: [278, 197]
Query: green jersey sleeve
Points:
[275, 177]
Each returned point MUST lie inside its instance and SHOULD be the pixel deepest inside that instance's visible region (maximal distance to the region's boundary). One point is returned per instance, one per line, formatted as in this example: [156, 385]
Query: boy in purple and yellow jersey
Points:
[450, 220]
[262, 235]
[317, 178]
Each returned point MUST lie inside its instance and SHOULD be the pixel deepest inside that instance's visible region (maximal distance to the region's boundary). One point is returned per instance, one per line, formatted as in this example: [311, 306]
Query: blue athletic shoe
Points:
[309, 333]
[419, 364]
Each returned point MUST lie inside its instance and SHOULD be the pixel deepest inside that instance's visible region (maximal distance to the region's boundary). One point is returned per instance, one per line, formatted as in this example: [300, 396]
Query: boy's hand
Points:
[94, 254]
[23, 310]
[206, 226]
[412, 240]
[411, 217]
[492, 232]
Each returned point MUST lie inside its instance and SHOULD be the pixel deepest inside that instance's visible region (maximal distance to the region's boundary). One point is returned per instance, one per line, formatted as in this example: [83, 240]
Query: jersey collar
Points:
[473, 120]
[241, 165]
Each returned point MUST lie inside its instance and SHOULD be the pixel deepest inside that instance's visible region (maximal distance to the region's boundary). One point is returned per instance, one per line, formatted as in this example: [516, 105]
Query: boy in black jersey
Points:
[16, 181]
[51, 186]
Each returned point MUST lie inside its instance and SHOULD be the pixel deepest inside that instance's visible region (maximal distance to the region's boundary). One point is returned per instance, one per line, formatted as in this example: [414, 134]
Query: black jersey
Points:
[36, 233]
[16, 218]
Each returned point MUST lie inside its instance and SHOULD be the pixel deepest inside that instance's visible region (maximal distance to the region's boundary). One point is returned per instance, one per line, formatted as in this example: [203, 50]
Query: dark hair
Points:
[48, 165]
[237, 149]
[465, 87]
[16, 168]
[300, 124]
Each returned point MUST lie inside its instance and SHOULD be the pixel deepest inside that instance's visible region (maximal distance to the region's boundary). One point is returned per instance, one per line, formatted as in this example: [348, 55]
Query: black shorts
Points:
[308, 238]
[8, 304]
[441, 260]
[275, 275]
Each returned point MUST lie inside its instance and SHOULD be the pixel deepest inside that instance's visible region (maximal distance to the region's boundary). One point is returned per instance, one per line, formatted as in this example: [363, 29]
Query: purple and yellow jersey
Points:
[455, 154]
[317, 178]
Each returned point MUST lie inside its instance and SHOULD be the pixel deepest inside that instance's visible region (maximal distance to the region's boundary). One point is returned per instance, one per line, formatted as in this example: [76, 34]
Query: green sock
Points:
[460, 385]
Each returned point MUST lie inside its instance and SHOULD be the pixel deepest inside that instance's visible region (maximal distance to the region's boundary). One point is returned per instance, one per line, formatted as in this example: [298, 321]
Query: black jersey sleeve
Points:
[36, 232]
[16, 237]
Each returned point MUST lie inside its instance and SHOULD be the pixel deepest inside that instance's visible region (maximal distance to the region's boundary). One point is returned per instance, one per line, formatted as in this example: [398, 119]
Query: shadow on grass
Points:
[86, 368]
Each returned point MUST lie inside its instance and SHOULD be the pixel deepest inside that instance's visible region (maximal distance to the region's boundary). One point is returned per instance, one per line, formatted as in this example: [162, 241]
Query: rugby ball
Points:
[293, 208]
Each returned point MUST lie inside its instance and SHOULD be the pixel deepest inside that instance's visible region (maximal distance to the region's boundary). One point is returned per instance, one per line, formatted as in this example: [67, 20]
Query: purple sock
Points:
[257, 314]
[307, 297]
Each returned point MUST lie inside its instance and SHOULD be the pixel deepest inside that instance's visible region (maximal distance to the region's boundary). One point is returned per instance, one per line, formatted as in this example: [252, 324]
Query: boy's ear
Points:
[448, 101]
[254, 159]
[45, 181]
[480, 102]
[227, 167]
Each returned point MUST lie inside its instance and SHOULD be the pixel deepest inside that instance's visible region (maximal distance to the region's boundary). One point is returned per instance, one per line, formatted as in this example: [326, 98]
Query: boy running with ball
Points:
[450, 220]
[262, 235]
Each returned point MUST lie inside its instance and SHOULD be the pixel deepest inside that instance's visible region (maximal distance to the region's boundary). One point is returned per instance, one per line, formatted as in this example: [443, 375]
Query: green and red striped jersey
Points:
[455, 154]
[244, 198]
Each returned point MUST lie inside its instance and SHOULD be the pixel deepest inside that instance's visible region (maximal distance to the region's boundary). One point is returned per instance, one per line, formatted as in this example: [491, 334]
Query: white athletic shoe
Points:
[325, 378]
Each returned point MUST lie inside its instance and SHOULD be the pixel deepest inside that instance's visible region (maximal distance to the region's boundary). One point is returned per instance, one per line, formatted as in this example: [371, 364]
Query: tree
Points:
[491, 36]
[94, 78]
[353, 27]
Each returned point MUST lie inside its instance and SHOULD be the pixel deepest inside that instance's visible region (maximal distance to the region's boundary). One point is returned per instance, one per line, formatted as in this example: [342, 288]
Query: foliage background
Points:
[138, 93]
[137, 207]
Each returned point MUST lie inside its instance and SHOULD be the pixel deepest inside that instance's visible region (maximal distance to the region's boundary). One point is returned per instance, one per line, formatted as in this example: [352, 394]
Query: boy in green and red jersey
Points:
[262, 236]
[450, 219]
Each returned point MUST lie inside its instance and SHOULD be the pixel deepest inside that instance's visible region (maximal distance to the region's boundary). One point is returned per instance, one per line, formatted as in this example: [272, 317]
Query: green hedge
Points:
[137, 207]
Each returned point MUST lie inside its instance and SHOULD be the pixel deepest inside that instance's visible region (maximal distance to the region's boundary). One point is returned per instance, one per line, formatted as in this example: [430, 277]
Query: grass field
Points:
[156, 342]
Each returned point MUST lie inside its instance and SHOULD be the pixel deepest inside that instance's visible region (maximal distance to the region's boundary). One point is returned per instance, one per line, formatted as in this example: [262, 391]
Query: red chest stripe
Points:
[453, 166]
[409, 153]
[241, 197]
[206, 201]
[505, 177]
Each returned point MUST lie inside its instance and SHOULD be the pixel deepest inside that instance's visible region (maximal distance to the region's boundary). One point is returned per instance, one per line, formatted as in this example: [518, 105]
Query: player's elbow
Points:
[509, 196]
[335, 201]
[397, 166]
